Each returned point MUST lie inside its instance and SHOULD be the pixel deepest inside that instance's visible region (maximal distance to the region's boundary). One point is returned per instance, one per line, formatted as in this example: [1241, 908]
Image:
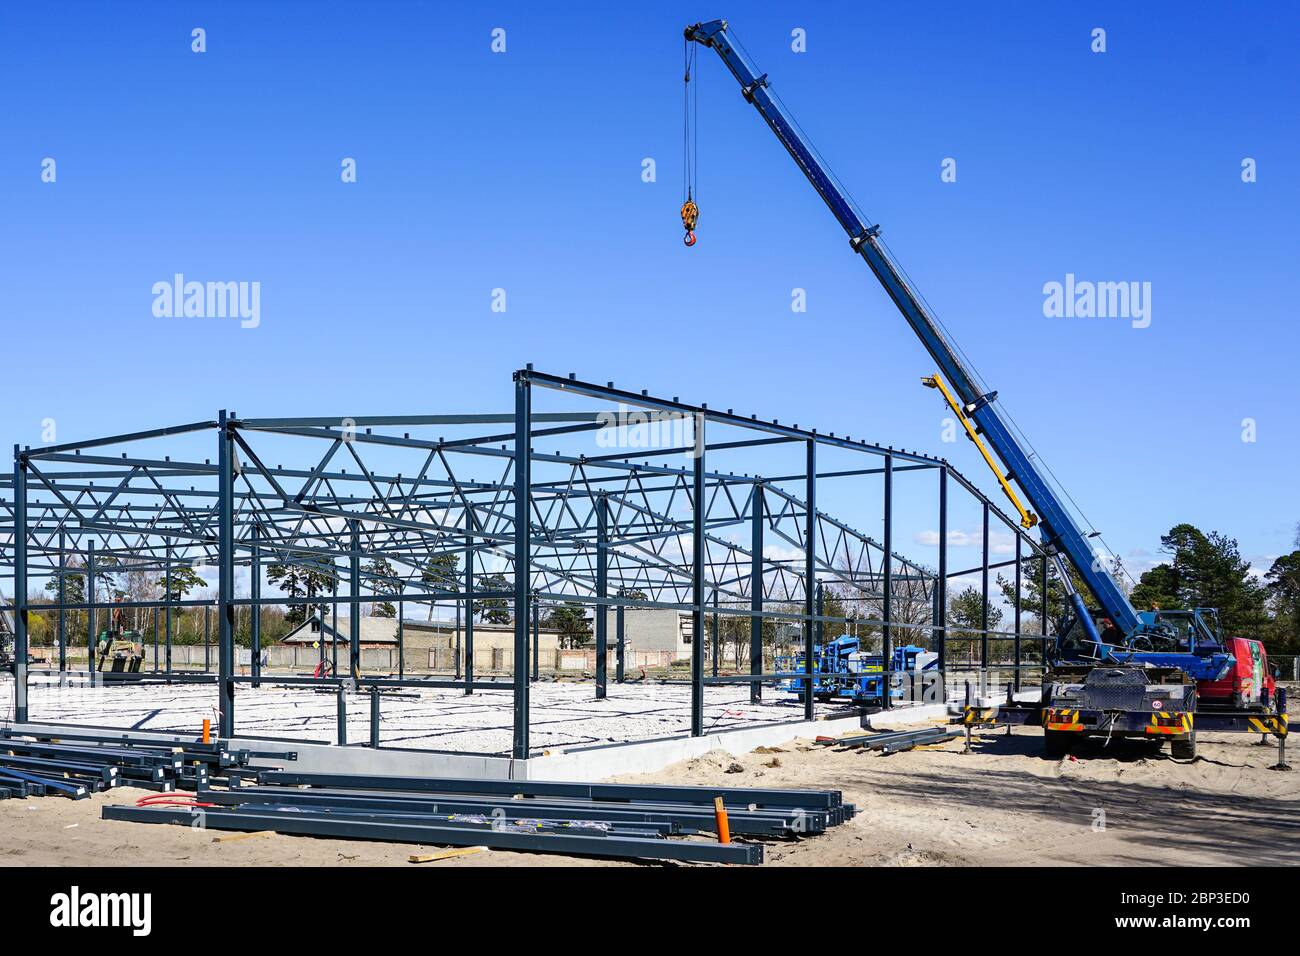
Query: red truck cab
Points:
[1248, 681]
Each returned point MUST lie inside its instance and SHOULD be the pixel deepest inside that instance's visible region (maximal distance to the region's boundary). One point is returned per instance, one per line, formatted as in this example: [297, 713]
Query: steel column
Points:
[941, 582]
[167, 604]
[810, 575]
[469, 615]
[20, 585]
[1016, 677]
[523, 430]
[756, 593]
[699, 515]
[1042, 622]
[225, 578]
[537, 636]
[91, 636]
[887, 603]
[354, 606]
[621, 645]
[602, 584]
[984, 599]
[63, 615]
[255, 611]
[717, 637]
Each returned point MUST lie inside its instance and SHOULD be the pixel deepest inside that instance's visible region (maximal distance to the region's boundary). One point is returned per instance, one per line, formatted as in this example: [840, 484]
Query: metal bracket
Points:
[869, 233]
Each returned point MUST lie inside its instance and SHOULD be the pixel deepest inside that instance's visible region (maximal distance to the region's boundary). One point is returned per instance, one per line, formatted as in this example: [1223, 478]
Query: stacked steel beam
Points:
[647, 822]
[892, 742]
[76, 764]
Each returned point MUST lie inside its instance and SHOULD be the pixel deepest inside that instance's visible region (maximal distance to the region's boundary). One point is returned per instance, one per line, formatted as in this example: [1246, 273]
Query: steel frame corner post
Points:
[469, 615]
[91, 611]
[602, 585]
[1016, 672]
[887, 601]
[20, 585]
[523, 432]
[941, 580]
[756, 594]
[698, 555]
[810, 577]
[255, 611]
[225, 577]
[984, 600]
[354, 606]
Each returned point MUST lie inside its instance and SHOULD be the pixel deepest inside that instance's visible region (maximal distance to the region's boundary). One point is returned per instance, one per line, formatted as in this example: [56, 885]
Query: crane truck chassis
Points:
[1126, 702]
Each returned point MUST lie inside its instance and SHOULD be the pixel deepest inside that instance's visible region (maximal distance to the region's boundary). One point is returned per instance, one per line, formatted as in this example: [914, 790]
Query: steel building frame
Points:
[611, 530]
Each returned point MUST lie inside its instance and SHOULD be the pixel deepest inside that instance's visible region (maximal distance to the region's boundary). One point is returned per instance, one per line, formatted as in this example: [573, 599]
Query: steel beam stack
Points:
[643, 822]
[77, 764]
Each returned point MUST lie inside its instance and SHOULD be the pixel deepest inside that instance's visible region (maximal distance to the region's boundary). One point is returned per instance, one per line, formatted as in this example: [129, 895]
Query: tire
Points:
[1184, 748]
[1056, 743]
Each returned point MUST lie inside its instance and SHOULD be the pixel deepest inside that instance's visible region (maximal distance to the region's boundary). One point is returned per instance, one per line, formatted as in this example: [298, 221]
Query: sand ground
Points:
[1002, 804]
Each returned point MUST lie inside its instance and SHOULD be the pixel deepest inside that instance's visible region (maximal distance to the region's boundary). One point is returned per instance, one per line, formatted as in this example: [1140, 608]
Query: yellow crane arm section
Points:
[1027, 518]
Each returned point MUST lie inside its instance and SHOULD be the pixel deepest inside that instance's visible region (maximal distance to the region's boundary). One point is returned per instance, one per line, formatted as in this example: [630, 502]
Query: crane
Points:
[1147, 637]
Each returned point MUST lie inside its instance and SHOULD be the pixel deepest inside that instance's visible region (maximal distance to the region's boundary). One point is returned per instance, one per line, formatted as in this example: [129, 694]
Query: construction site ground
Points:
[1124, 804]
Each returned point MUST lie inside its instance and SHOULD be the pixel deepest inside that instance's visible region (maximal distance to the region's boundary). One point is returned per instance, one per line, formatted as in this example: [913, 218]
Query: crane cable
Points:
[690, 146]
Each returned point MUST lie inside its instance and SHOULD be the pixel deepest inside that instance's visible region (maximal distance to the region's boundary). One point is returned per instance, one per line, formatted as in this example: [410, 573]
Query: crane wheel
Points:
[1056, 743]
[1184, 748]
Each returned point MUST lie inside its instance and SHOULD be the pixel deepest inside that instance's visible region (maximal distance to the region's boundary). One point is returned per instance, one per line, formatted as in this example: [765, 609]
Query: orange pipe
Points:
[720, 814]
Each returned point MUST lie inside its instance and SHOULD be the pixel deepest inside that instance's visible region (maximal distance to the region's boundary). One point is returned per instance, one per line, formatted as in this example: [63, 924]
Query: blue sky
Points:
[522, 171]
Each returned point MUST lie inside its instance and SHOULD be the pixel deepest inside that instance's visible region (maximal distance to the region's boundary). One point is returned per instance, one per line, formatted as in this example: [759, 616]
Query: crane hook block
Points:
[690, 215]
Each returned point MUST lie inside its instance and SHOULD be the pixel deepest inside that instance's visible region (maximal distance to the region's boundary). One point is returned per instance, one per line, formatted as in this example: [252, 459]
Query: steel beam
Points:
[941, 581]
[20, 585]
[469, 615]
[522, 558]
[810, 575]
[225, 578]
[354, 608]
[756, 592]
[887, 605]
[699, 554]
[602, 592]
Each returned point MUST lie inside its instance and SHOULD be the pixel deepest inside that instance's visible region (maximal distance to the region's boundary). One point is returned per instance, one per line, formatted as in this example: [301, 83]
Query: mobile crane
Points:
[1140, 677]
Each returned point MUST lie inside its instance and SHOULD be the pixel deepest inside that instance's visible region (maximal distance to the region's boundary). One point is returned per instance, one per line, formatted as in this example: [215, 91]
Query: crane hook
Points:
[690, 215]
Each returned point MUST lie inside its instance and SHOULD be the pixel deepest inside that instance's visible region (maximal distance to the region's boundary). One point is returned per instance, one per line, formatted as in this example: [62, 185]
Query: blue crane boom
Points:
[1060, 533]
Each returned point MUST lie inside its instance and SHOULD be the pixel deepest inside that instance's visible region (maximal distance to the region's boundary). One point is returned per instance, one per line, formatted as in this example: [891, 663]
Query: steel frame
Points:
[598, 529]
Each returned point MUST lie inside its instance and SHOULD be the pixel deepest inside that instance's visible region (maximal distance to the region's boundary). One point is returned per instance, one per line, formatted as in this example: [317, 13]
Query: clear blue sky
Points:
[522, 171]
